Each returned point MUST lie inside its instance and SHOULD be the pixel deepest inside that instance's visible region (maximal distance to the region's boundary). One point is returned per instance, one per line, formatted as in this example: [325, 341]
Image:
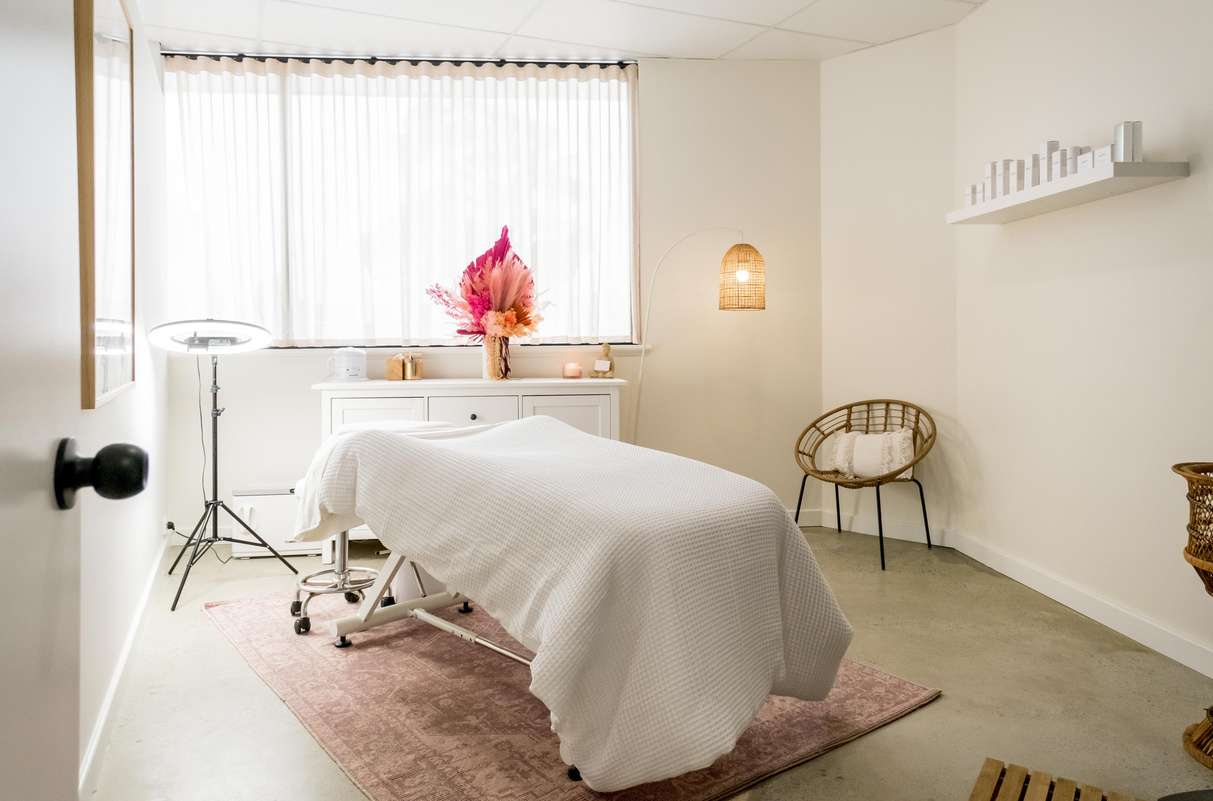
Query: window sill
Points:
[444, 352]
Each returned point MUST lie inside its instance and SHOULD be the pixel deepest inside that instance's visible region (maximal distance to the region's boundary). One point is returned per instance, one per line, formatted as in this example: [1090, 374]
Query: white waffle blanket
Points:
[664, 598]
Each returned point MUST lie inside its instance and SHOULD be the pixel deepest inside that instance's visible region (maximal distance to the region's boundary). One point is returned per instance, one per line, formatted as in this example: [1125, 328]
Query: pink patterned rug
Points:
[413, 714]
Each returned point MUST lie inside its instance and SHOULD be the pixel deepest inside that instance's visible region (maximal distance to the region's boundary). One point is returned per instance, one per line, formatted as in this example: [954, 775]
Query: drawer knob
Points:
[473, 415]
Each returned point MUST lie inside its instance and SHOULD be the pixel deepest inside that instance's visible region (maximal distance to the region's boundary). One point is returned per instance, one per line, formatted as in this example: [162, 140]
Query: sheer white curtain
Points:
[321, 199]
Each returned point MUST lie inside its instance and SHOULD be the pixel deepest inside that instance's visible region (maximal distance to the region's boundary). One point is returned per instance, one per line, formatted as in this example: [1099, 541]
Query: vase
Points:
[496, 363]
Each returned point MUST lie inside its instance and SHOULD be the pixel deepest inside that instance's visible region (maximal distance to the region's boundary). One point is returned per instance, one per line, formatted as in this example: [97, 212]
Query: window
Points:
[321, 199]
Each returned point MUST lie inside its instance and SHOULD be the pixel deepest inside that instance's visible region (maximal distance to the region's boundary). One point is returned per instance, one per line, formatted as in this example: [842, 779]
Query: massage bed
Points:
[664, 599]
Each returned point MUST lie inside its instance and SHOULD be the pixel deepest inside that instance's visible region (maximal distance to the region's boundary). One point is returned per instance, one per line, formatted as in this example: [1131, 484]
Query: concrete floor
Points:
[1024, 680]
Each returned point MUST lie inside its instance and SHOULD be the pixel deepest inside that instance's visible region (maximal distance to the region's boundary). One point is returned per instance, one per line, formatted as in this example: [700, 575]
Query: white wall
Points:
[1074, 375]
[1083, 374]
[887, 261]
[121, 541]
[731, 144]
[721, 144]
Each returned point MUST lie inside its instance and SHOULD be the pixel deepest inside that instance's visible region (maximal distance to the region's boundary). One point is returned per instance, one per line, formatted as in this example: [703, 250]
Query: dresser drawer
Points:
[473, 410]
[373, 410]
[590, 413]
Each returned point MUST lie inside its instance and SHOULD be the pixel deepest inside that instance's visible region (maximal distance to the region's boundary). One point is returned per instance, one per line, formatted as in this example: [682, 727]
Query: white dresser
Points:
[589, 404]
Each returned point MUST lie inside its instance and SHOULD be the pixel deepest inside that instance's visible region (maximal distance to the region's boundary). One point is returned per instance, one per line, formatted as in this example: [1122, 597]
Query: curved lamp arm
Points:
[644, 331]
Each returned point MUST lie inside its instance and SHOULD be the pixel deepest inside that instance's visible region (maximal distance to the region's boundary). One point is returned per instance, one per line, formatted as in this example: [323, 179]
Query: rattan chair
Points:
[867, 417]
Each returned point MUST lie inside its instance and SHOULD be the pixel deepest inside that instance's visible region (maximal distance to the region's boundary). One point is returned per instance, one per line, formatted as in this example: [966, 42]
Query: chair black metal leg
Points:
[923, 498]
[801, 498]
[837, 510]
[880, 526]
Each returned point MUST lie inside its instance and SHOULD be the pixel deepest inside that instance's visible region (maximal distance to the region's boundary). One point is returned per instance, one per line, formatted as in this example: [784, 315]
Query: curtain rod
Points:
[328, 59]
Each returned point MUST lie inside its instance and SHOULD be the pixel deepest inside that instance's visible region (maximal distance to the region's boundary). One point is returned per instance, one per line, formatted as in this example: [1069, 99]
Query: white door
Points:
[39, 401]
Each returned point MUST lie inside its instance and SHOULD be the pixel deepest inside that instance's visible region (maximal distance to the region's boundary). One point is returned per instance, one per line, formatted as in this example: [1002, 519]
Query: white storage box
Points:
[271, 513]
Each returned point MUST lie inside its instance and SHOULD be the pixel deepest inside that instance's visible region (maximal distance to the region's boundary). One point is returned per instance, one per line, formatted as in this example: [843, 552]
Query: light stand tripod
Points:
[203, 540]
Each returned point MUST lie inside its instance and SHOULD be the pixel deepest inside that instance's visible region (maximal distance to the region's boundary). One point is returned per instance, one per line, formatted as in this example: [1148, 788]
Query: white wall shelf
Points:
[1073, 190]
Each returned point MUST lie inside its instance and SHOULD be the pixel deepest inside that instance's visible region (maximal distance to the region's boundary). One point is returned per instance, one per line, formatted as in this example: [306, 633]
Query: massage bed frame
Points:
[378, 608]
[372, 612]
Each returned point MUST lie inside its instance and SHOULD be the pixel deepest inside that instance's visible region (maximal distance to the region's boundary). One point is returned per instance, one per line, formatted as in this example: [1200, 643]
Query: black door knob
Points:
[117, 471]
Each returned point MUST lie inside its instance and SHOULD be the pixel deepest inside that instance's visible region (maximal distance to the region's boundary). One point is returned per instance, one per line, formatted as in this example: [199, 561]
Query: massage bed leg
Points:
[398, 611]
[381, 588]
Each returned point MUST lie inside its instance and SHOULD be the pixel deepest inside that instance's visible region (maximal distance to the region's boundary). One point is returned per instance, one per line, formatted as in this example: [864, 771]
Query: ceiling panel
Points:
[365, 34]
[547, 29]
[492, 15]
[792, 46]
[235, 18]
[765, 12]
[524, 47]
[877, 21]
[631, 27]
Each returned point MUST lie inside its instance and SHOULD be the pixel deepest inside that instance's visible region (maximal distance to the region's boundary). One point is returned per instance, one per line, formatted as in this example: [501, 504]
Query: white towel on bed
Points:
[664, 598]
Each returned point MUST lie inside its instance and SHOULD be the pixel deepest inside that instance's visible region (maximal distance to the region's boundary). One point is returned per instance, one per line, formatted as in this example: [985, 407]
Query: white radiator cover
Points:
[271, 513]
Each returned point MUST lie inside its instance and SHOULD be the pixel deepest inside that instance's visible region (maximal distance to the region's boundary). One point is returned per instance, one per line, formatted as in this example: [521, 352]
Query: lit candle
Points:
[572, 370]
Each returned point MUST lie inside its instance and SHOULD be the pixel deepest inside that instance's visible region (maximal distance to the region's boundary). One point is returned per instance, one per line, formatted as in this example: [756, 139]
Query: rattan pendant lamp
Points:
[743, 287]
[743, 280]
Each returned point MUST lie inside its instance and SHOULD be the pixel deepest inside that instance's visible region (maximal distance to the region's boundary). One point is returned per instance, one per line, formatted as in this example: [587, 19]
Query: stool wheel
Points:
[353, 597]
[387, 601]
[574, 774]
[303, 625]
[296, 608]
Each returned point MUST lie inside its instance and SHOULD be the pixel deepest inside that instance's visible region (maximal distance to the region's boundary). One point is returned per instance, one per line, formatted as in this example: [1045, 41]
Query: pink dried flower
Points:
[496, 295]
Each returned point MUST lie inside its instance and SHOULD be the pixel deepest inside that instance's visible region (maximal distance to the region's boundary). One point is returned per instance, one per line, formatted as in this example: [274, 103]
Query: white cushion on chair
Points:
[866, 455]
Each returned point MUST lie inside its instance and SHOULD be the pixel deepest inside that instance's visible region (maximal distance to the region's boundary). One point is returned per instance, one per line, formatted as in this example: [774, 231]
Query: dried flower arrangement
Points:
[495, 301]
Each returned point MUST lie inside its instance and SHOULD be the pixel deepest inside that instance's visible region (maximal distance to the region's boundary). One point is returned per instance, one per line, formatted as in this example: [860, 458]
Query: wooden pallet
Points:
[999, 782]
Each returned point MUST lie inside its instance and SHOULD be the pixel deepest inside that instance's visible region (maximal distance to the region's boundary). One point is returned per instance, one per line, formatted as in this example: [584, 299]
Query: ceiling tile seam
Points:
[863, 44]
[394, 17]
[640, 53]
[261, 24]
[510, 37]
[743, 44]
[822, 36]
[776, 27]
[799, 11]
[198, 30]
[919, 33]
[689, 14]
[805, 8]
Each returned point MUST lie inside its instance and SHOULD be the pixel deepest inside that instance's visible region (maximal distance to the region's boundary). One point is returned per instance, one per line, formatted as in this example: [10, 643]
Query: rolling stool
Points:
[340, 578]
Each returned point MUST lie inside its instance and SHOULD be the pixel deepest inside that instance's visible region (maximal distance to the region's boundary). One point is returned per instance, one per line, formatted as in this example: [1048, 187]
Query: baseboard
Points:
[90, 763]
[1133, 625]
[808, 517]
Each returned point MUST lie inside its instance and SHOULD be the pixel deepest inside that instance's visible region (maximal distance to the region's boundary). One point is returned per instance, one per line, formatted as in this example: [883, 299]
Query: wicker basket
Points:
[1199, 550]
[1198, 740]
